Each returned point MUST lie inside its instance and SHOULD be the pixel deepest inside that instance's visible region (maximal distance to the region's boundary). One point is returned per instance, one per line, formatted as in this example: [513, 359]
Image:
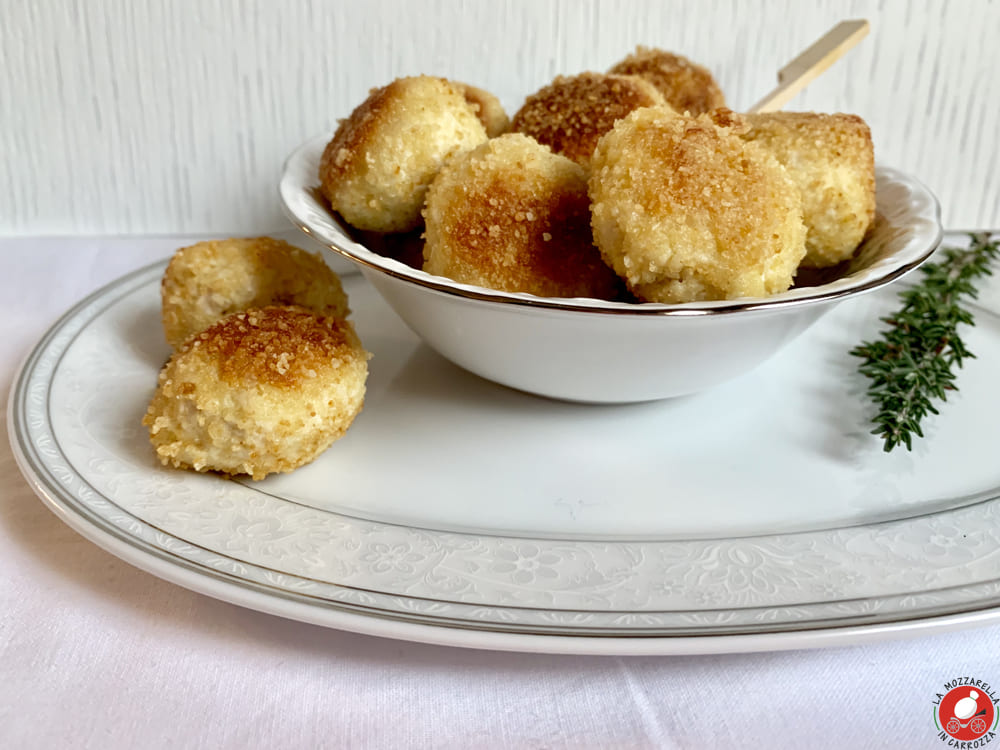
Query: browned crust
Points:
[831, 157]
[260, 271]
[573, 112]
[686, 86]
[705, 213]
[352, 133]
[376, 168]
[276, 346]
[513, 216]
[733, 122]
[491, 235]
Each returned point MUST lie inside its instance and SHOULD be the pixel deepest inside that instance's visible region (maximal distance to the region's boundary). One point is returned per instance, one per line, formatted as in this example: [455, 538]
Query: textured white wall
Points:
[140, 116]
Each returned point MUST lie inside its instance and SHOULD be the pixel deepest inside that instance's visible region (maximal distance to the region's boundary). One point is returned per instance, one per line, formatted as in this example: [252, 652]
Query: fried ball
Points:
[685, 210]
[488, 109]
[376, 169]
[207, 281]
[832, 160]
[261, 391]
[511, 215]
[572, 113]
[686, 86]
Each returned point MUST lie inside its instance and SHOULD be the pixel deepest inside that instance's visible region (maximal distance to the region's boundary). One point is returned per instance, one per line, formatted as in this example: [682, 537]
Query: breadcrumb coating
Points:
[832, 160]
[487, 107]
[376, 169]
[513, 216]
[258, 392]
[686, 86]
[209, 280]
[684, 210]
[573, 112]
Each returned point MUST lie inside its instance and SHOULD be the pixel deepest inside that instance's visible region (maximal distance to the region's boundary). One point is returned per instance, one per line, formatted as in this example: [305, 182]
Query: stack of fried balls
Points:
[267, 372]
[633, 185]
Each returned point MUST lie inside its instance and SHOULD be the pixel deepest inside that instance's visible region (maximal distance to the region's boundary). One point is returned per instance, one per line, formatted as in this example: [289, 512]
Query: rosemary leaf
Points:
[914, 362]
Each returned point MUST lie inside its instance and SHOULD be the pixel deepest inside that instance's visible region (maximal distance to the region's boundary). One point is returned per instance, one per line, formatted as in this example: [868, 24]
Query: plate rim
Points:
[441, 635]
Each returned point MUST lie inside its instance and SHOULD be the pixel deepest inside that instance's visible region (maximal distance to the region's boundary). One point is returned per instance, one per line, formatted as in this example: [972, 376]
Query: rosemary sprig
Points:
[914, 362]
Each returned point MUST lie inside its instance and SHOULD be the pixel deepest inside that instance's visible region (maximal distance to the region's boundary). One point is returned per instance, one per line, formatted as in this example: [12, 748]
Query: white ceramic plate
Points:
[759, 515]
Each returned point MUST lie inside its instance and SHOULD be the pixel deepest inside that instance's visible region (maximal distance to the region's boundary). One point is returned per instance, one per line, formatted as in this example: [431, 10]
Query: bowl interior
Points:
[907, 229]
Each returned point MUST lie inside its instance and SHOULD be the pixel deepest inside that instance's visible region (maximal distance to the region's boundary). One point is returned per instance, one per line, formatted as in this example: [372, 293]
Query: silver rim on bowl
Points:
[298, 189]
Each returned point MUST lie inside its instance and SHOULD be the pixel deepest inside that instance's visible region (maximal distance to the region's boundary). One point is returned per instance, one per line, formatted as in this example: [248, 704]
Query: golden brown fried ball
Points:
[572, 113]
[686, 86]
[376, 169]
[511, 215]
[209, 280]
[685, 210]
[260, 391]
[832, 160]
[488, 109]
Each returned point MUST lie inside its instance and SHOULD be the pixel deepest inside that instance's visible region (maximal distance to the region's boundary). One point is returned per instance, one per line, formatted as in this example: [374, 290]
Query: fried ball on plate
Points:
[209, 280]
[376, 169]
[832, 160]
[686, 86]
[573, 112]
[685, 210]
[513, 216]
[261, 391]
[488, 109]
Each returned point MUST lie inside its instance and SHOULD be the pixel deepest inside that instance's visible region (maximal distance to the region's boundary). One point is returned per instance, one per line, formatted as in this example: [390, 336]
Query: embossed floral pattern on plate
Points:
[221, 531]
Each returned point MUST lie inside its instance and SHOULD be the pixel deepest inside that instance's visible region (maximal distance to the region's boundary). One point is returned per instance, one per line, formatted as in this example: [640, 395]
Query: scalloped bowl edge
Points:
[614, 352]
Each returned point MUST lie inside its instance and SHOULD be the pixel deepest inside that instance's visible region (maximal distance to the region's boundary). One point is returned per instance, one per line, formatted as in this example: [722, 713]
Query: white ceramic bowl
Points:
[596, 351]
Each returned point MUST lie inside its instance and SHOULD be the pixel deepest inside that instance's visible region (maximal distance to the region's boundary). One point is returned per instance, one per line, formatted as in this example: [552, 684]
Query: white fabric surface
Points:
[97, 654]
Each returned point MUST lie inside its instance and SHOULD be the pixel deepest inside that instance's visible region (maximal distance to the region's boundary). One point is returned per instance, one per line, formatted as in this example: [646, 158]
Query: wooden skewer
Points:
[803, 69]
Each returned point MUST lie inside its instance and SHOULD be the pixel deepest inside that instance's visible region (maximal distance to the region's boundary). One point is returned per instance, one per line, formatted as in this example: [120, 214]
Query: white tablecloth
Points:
[95, 653]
